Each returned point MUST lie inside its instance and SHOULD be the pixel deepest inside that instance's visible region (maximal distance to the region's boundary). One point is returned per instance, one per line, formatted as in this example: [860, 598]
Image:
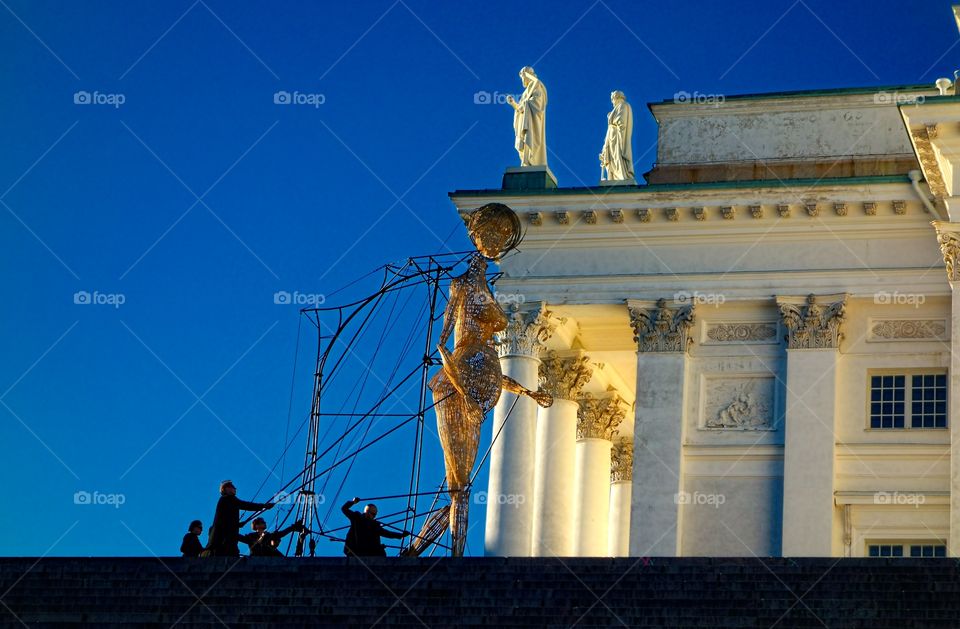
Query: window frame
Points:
[905, 546]
[908, 400]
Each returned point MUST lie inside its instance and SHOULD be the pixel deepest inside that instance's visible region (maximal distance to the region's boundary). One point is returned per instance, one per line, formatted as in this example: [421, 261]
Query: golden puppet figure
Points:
[470, 382]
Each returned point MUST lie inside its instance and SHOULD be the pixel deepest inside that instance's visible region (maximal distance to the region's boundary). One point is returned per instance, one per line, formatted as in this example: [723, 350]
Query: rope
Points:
[293, 381]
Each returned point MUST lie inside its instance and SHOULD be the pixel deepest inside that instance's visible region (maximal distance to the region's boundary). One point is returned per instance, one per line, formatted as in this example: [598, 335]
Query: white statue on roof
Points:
[616, 158]
[530, 120]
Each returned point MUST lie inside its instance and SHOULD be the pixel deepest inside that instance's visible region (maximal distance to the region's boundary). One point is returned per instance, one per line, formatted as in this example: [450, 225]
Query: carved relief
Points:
[812, 325]
[621, 460]
[870, 208]
[673, 214]
[900, 207]
[840, 209]
[928, 159]
[756, 211]
[783, 210]
[525, 334]
[812, 208]
[563, 217]
[535, 218]
[950, 248]
[909, 329]
[728, 212]
[748, 332]
[700, 213]
[739, 403]
[599, 417]
[643, 215]
[616, 216]
[590, 217]
[564, 377]
[661, 328]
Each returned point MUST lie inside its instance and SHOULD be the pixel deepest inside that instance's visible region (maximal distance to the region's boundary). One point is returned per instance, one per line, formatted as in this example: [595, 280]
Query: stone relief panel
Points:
[884, 330]
[740, 332]
[738, 402]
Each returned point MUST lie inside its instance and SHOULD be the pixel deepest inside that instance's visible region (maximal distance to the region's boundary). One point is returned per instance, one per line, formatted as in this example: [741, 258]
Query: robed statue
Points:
[616, 158]
[530, 120]
[469, 384]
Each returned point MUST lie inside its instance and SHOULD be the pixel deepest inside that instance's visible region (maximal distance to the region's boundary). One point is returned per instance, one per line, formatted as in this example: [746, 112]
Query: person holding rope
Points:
[262, 543]
[363, 538]
[225, 530]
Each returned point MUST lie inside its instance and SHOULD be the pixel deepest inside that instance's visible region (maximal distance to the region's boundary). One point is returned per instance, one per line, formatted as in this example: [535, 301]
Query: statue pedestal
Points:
[618, 182]
[529, 178]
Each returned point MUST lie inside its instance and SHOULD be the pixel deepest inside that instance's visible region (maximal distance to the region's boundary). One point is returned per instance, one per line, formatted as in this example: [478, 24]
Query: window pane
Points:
[929, 406]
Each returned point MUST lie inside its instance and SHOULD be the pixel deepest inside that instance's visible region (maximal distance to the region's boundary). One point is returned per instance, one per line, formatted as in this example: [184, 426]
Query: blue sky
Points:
[197, 198]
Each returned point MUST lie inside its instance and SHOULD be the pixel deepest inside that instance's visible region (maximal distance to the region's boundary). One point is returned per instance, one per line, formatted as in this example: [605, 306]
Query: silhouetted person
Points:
[263, 543]
[363, 538]
[191, 546]
[225, 530]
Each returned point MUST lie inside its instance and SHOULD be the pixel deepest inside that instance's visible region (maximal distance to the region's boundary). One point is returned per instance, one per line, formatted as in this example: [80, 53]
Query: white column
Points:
[813, 335]
[948, 235]
[597, 422]
[510, 488]
[553, 504]
[621, 484]
[661, 332]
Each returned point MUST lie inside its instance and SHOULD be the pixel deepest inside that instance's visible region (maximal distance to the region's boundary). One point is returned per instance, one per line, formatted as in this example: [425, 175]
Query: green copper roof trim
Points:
[671, 187]
[932, 100]
[838, 91]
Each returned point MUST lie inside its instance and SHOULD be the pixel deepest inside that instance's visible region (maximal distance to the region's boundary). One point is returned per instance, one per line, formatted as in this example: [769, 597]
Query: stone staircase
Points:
[496, 592]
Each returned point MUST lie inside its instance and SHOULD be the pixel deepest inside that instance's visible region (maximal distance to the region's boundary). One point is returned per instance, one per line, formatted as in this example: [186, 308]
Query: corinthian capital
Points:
[949, 240]
[661, 328]
[813, 323]
[526, 332]
[621, 460]
[564, 377]
[599, 417]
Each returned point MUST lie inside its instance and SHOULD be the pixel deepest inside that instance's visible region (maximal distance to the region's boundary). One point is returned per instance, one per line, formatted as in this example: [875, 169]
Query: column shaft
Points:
[510, 488]
[591, 497]
[808, 453]
[655, 524]
[554, 481]
[618, 539]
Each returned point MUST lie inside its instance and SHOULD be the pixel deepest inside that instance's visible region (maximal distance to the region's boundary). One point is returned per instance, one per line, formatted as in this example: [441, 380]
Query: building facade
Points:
[750, 354]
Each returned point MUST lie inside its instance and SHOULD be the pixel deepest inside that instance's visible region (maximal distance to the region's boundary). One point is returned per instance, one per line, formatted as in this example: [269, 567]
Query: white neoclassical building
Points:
[750, 354]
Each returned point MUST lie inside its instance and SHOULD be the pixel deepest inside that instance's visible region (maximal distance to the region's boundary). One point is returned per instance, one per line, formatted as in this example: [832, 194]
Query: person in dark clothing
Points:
[225, 530]
[265, 544]
[363, 538]
[191, 546]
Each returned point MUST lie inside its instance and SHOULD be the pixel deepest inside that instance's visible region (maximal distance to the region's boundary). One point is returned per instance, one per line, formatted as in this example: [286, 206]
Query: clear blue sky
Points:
[298, 198]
